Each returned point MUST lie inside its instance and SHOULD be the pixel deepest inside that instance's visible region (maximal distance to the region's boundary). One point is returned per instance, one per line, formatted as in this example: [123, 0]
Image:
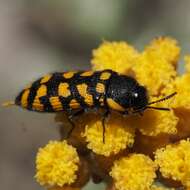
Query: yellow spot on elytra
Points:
[24, 99]
[42, 91]
[82, 89]
[74, 104]
[114, 105]
[55, 103]
[69, 75]
[100, 88]
[87, 74]
[63, 90]
[105, 76]
[45, 79]
[88, 98]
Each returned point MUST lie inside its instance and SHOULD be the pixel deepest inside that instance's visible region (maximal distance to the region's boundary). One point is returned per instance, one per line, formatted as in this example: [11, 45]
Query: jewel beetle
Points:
[75, 92]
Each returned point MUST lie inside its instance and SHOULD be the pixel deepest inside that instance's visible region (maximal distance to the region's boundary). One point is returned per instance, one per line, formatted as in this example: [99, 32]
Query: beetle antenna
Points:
[158, 108]
[163, 99]
[151, 107]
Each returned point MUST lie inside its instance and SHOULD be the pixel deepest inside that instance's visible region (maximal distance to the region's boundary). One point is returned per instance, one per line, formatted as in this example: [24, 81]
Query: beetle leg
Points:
[72, 126]
[70, 119]
[104, 117]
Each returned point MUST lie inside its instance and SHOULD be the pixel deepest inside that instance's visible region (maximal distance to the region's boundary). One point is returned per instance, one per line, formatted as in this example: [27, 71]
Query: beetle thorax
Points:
[125, 93]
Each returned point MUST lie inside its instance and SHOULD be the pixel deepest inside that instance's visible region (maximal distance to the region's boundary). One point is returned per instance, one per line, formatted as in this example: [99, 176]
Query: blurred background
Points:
[41, 36]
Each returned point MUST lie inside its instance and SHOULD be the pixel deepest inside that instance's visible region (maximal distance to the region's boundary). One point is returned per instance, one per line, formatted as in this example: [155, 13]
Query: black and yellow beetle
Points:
[74, 92]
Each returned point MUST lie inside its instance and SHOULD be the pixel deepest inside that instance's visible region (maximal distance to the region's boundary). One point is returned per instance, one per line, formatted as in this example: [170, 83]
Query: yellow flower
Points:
[117, 56]
[183, 129]
[136, 172]
[56, 164]
[118, 135]
[174, 162]
[182, 87]
[155, 122]
[165, 47]
[153, 71]
[154, 68]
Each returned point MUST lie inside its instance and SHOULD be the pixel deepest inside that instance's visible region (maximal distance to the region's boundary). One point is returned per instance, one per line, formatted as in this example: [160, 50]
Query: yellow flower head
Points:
[174, 161]
[155, 122]
[118, 135]
[187, 63]
[56, 164]
[182, 87]
[165, 47]
[136, 172]
[118, 56]
[153, 71]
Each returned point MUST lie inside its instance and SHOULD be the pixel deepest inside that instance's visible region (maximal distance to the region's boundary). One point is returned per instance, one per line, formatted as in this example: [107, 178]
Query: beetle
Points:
[75, 92]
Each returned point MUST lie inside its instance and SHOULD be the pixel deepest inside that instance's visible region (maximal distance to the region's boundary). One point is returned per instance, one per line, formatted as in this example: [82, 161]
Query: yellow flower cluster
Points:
[56, 164]
[165, 47]
[153, 74]
[156, 122]
[174, 161]
[156, 65]
[135, 146]
[136, 171]
[118, 135]
[180, 85]
[117, 56]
